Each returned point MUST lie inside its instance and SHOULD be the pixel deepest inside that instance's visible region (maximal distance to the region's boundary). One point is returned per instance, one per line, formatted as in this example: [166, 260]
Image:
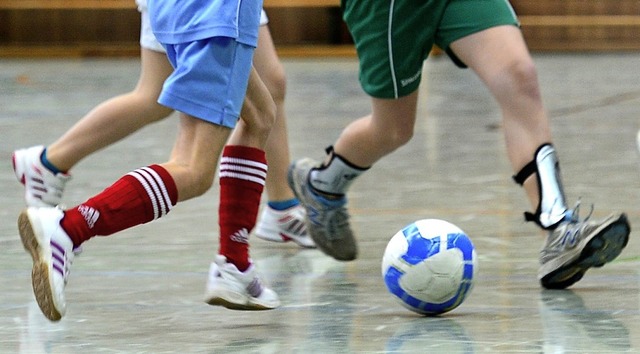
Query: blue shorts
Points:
[148, 39]
[210, 79]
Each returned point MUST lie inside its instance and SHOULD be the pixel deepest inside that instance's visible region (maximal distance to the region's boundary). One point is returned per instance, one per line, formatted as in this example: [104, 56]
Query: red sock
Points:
[140, 196]
[243, 171]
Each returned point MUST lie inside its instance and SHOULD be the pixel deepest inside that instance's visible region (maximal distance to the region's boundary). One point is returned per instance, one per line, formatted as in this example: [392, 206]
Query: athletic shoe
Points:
[575, 246]
[52, 253]
[43, 188]
[327, 220]
[236, 290]
[284, 226]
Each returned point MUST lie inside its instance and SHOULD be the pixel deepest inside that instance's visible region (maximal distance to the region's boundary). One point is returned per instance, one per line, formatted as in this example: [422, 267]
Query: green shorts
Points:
[394, 37]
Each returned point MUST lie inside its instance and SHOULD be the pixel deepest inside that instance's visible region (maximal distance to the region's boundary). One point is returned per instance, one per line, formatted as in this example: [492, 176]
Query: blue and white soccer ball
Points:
[430, 266]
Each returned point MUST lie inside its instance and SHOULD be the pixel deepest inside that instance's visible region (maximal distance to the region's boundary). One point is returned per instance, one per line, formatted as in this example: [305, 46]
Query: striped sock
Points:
[243, 171]
[138, 197]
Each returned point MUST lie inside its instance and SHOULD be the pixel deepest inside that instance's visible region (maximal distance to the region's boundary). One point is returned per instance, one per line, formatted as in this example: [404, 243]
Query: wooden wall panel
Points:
[576, 7]
[307, 26]
[580, 25]
[69, 26]
[111, 27]
[69, 32]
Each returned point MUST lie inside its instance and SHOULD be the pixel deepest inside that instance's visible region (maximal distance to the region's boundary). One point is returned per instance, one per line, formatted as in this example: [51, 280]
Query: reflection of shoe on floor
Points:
[327, 219]
[575, 246]
[571, 326]
[236, 290]
[304, 265]
[52, 252]
[296, 273]
[42, 187]
[284, 226]
[37, 334]
[273, 345]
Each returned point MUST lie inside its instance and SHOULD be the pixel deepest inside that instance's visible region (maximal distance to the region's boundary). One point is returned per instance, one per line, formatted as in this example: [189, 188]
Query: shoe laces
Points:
[335, 215]
[339, 219]
[573, 227]
[573, 215]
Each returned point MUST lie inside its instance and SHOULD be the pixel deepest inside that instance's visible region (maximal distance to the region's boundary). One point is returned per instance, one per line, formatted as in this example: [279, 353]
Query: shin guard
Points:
[335, 176]
[552, 207]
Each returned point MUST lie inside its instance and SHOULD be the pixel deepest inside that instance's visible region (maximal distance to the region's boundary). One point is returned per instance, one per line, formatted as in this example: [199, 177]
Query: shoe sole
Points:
[601, 249]
[40, 271]
[235, 301]
[221, 301]
[321, 242]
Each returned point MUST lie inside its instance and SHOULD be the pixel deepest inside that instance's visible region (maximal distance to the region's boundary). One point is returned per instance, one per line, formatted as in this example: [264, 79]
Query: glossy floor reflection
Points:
[140, 291]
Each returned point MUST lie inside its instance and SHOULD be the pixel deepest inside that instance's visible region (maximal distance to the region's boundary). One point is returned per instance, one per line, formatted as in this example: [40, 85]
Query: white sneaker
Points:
[284, 226]
[236, 290]
[42, 187]
[52, 253]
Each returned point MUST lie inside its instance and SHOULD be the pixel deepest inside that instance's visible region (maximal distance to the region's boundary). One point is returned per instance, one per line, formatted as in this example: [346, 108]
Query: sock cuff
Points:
[169, 182]
[245, 152]
[283, 204]
[243, 163]
[50, 166]
[160, 188]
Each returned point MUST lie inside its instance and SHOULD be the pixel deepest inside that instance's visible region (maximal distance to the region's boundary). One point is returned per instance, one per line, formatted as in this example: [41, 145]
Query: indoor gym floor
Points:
[141, 291]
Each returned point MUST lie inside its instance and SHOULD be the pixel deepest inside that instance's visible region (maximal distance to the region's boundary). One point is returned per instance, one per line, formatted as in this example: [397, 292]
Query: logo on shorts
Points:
[405, 82]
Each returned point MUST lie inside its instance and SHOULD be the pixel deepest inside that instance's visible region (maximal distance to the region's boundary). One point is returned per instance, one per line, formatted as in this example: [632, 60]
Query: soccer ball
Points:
[430, 266]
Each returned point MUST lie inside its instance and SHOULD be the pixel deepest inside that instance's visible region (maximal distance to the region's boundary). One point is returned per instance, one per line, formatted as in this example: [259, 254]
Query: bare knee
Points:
[260, 115]
[268, 111]
[522, 80]
[199, 182]
[395, 138]
[202, 182]
[276, 83]
[392, 121]
[389, 138]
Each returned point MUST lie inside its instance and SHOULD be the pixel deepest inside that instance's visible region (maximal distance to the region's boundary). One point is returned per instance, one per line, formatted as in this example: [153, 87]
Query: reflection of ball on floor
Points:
[429, 266]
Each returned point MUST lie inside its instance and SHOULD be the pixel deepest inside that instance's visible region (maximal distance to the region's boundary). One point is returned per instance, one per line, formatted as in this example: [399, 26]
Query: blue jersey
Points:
[182, 21]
